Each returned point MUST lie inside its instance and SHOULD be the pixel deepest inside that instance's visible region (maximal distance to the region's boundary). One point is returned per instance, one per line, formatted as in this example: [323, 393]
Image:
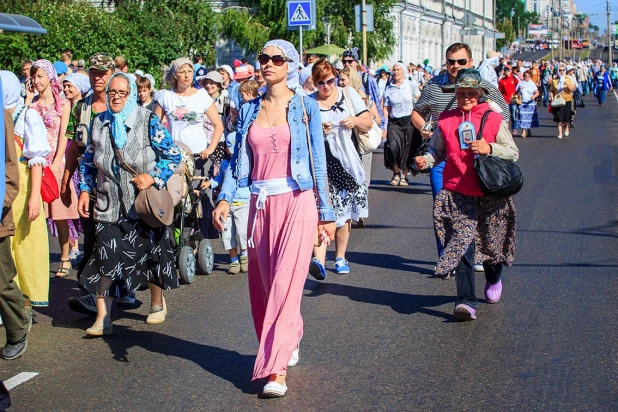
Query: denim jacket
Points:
[239, 175]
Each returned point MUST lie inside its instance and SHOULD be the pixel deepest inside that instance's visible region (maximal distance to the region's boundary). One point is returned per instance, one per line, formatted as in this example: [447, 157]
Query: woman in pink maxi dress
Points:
[283, 217]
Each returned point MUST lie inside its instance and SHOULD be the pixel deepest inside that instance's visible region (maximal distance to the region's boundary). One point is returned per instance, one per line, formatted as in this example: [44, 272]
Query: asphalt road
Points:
[382, 337]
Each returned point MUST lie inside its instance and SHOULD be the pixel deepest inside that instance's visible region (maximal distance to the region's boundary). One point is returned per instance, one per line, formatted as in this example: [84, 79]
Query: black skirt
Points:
[127, 255]
[398, 142]
[562, 114]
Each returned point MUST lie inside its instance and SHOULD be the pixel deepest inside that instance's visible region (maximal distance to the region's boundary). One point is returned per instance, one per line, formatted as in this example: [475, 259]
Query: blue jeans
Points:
[601, 95]
[465, 279]
[435, 177]
[514, 109]
[584, 87]
[545, 94]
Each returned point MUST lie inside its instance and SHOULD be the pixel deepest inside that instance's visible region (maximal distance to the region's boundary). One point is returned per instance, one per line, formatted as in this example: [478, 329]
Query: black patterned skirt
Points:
[349, 199]
[127, 255]
[458, 219]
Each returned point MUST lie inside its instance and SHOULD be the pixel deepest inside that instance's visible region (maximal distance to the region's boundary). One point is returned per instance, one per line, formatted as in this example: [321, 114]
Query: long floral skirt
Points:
[457, 217]
[127, 255]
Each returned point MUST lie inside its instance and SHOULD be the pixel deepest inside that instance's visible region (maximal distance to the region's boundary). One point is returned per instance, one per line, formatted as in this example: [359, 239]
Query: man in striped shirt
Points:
[433, 102]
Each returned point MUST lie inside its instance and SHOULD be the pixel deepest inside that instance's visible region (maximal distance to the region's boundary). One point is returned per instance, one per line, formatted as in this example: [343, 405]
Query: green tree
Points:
[149, 34]
[505, 27]
[256, 21]
[515, 11]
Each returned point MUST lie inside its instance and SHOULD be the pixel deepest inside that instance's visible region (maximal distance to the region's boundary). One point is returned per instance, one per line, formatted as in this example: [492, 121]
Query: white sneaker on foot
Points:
[294, 358]
[274, 389]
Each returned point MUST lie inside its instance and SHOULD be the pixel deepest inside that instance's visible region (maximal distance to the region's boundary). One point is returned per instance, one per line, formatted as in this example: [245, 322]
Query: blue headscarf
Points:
[119, 131]
[290, 52]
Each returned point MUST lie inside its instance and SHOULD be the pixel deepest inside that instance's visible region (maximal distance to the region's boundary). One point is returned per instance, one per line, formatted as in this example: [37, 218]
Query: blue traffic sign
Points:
[300, 13]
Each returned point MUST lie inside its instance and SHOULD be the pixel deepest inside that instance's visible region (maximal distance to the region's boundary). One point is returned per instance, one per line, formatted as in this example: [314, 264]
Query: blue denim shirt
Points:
[243, 194]
[239, 175]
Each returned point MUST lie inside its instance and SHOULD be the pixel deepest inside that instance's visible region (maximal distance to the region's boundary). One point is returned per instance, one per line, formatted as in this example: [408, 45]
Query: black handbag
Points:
[497, 177]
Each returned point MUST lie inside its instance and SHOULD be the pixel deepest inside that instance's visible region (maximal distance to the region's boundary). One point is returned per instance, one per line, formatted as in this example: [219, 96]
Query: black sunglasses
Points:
[277, 59]
[329, 82]
[460, 62]
[347, 61]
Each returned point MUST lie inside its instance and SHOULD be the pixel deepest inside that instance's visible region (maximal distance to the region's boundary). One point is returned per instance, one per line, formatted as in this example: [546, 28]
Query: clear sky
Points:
[597, 11]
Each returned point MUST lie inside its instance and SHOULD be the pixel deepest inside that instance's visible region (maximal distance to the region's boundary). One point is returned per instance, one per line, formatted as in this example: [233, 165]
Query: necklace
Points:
[272, 129]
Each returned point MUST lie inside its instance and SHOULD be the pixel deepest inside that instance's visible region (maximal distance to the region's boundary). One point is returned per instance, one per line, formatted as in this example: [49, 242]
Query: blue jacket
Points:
[603, 81]
[239, 175]
[243, 194]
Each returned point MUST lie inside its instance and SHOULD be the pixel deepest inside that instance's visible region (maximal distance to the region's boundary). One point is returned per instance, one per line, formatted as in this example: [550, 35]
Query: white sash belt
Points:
[265, 188]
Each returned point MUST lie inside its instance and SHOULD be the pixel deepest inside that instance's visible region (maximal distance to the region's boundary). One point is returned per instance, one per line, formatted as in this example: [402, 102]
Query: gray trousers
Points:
[12, 301]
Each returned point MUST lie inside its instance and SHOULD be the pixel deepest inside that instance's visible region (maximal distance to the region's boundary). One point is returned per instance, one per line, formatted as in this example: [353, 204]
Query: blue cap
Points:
[384, 68]
[61, 68]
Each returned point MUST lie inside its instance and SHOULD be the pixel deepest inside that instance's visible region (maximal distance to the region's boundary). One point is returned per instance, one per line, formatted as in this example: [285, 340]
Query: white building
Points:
[425, 28]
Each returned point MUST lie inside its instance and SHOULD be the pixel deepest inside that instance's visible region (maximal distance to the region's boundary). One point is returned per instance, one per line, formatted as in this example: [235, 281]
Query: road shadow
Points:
[411, 189]
[404, 303]
[232, 366]
[387, 261]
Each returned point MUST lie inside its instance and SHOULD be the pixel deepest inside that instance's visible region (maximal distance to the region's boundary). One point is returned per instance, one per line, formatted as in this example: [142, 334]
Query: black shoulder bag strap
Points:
[479, 135]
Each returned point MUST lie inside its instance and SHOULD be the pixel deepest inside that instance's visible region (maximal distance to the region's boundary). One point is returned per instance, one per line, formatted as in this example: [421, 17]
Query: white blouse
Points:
[30, 127]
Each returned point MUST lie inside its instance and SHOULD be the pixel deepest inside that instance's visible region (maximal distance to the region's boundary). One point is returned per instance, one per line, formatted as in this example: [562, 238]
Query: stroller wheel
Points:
[205, 257]
[186, 265]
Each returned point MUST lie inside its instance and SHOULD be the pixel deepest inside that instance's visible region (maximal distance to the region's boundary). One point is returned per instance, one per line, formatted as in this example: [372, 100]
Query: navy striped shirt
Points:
[434, 101]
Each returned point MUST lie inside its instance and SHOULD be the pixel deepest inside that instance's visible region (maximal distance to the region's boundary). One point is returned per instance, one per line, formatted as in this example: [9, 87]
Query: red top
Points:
[507, 87]
[459, 173]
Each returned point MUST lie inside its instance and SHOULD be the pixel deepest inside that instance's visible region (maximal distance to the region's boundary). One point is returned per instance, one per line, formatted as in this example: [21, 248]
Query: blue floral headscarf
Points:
[290, 52]
[119, 131]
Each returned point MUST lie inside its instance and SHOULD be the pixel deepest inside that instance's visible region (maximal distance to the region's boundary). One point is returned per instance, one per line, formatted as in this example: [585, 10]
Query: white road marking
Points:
[19, 379]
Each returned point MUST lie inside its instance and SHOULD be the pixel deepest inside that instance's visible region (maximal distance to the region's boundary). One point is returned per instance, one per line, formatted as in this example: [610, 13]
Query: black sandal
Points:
[63, 272]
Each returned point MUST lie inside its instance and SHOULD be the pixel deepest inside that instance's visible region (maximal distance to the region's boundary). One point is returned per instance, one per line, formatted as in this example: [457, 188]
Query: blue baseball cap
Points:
[61, 68]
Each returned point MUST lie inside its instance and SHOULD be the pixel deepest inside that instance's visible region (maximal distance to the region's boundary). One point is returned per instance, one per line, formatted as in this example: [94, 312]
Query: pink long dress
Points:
[56, 210]
[278, 265]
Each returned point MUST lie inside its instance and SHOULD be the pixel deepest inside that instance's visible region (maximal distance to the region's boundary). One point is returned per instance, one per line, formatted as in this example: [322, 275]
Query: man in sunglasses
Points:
[370, 86]
[433, 102]
[100, 70]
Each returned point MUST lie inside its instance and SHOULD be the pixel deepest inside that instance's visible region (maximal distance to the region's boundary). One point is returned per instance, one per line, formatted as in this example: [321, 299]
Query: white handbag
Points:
[367, 141]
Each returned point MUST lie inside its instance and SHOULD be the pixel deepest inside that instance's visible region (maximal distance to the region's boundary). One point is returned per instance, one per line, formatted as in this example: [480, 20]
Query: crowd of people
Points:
[278, 143]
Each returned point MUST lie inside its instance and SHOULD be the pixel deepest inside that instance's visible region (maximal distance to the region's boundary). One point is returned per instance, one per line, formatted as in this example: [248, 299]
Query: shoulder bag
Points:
[516, 99]
[497, 177]
[50, 190]
[367, 141]
[155, 207]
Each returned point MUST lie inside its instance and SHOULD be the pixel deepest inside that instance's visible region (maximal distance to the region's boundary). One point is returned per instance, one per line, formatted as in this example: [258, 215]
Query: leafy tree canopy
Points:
[149, 34]
[515, 11]
[257, 21]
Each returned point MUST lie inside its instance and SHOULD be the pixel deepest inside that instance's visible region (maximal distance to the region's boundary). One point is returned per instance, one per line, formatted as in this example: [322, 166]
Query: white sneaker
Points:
[274, 389]
[294, 359]
[479, 268]
[3, 323]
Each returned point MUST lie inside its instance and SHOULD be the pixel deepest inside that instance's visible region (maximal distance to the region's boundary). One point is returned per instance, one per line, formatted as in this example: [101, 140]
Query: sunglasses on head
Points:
[329, 82]
[277, 59]
[460, 62]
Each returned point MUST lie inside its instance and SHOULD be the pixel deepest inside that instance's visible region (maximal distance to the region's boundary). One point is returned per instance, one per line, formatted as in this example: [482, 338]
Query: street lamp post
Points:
[327, 27]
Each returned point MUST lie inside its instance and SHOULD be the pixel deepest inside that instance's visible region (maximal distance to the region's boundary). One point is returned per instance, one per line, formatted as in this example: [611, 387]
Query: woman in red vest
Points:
[460, 209]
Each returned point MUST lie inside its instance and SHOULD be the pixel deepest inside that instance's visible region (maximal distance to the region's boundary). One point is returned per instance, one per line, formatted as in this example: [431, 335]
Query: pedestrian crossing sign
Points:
[300, 13]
